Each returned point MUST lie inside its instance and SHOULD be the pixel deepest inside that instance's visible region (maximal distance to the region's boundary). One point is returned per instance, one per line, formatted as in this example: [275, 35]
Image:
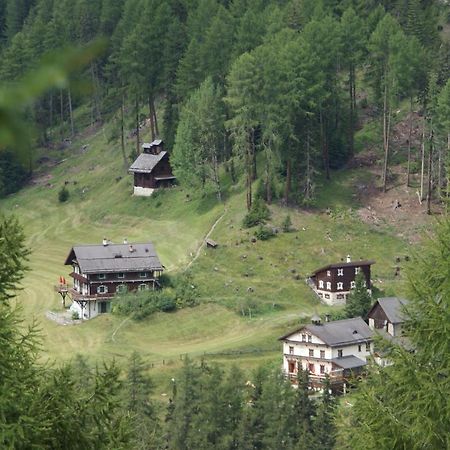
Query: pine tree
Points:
[359, 300]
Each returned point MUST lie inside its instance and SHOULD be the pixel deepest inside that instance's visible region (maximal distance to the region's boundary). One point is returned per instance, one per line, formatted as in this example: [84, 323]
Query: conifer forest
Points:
[262, 105]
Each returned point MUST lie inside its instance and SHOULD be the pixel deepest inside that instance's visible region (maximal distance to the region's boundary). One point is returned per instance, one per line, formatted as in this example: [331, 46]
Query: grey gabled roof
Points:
[393, 307]
[349, 362]
[146, 162]
[156, 142]
[338, 332]
[115, 258]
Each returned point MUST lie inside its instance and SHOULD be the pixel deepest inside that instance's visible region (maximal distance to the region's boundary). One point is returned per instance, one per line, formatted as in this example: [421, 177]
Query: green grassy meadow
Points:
[269, 275]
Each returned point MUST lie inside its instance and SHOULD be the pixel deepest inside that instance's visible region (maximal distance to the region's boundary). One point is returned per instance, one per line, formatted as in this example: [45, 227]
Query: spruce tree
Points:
[359, 300]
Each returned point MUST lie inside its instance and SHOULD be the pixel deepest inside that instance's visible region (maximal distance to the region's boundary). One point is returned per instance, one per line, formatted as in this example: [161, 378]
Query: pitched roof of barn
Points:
[146, 162]
[115, 258]
[338, 332]
[154, 143]
[393, 307]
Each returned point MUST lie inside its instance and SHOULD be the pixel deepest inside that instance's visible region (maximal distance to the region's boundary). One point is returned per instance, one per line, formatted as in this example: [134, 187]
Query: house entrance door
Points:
[102, 307]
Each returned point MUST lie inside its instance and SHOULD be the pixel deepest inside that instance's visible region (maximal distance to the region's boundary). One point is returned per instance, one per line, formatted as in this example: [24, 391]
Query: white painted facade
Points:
[143, 192]
[333, 298]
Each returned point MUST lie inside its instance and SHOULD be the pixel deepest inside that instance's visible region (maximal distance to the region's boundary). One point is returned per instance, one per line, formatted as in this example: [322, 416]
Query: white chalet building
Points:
[339, 349]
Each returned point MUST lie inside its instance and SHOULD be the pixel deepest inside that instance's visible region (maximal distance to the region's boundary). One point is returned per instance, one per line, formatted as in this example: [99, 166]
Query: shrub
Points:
[257, 215]
[63, 195]
[264, 233]
[75, 315]
[287, 224]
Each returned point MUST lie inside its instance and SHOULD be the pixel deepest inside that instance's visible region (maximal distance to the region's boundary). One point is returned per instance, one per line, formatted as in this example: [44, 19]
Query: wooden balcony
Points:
[78, 296]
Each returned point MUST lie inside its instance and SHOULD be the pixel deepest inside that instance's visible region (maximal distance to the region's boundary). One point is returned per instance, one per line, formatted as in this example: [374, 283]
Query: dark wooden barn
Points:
[152, 169]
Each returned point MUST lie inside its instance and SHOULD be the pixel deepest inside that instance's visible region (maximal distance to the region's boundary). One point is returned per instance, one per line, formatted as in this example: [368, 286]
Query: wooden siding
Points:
[348, 276]
[379, 317]
[148, 180]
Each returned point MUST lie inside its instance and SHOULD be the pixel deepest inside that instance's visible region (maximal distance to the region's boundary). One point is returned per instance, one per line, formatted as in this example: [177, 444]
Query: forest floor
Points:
[251, 292]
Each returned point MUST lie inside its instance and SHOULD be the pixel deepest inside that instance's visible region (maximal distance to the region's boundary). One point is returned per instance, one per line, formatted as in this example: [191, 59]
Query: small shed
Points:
[210, 243]
[152, 169]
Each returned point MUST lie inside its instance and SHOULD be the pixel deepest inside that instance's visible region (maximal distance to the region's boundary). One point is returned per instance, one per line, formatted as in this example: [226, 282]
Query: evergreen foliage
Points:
[359, 300]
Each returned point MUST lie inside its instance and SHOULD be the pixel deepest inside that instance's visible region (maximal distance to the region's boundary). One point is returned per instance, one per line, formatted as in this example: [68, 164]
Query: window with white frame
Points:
[304, 337]
[322, 353]
[102, 289]
[143, 275]
[322, 368]
[357, 270]
[120, 275]
[340, 272]
[367, 346]
[352, 284]
[309, 338]
[101, 276]
[291, 350]
[329, 285]
[340, 286]
[328, 273]
[311, 352]
[321, 284]
[143, 287]
[340, 353]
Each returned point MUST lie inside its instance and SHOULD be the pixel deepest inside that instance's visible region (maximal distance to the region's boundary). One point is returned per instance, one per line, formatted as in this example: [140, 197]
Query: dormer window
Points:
[340, 286]
[328, 273]
[101, 276]
[340, 272]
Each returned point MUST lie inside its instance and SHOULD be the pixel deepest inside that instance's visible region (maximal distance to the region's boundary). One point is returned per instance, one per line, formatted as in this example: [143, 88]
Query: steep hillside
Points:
[251, 292]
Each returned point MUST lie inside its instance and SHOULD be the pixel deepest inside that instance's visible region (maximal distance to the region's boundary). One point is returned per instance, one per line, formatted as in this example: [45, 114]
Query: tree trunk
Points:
[69, 98]
[253, 156]
[308, 193]
[216, 176]
[422, 158]
[386, 114]
[61, 111]
[324, 144]
[122, 132]
[352, 112]
[51, 108]
[152, 120]
[248, 164]
[138, 140]
[155, 119]
[430, 171]
[287, 187]
[408, 168]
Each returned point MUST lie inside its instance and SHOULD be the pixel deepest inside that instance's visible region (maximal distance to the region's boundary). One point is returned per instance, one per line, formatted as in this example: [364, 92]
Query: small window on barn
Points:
[120, 275]
[311, 352]
[102, 289]
[352, 285]
[340, 286]
[322, 353]
[357, 270]
[143, 287]
[143, 275]
[328, 285]
[321, 284]
[340, 352]
[340, 272]
[291, 350]
[328, 273]
[322, 368]
[101, 276]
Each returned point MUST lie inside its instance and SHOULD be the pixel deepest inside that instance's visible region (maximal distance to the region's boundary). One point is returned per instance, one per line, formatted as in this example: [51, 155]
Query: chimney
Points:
[125, 241]
[349, 259]
[315, 319]
[105, 242]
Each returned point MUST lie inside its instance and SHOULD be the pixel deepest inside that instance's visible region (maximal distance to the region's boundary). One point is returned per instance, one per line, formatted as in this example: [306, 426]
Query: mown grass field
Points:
[267, 275]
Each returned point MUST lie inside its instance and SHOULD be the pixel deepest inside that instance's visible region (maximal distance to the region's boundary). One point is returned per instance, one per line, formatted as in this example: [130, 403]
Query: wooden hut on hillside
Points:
[152, 169]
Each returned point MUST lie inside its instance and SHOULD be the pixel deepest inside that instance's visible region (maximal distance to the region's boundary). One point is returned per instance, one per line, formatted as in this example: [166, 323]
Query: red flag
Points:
[60, 279]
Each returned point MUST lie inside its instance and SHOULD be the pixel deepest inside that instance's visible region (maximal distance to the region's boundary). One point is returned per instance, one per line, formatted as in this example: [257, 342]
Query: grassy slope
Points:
[177, 225]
